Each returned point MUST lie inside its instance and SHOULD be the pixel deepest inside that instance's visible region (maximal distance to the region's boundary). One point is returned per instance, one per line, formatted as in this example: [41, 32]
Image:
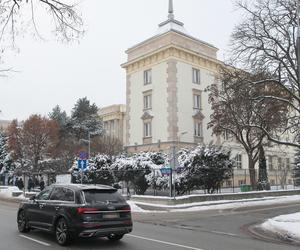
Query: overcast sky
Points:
[51, 73]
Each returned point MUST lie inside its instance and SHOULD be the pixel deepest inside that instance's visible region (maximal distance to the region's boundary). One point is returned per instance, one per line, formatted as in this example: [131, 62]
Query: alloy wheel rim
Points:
[61, 231]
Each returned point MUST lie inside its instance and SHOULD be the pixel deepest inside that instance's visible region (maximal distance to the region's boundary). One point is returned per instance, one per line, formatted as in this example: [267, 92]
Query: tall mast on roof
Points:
[171, 10]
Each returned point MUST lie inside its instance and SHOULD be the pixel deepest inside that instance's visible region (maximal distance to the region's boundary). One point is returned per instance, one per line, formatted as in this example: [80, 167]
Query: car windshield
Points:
[93, 196]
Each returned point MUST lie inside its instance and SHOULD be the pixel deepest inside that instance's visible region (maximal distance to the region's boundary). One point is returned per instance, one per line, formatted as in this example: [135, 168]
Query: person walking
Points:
[20, 184]
[30, 184]
[42, 184]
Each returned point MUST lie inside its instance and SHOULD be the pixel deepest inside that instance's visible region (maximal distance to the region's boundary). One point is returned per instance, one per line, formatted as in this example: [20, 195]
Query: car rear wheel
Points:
[22, 222]
[62, 232]
[115, 237]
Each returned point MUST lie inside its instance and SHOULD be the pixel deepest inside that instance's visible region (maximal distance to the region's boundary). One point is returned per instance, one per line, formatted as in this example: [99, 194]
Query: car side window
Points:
[44, 195]
[62, 194]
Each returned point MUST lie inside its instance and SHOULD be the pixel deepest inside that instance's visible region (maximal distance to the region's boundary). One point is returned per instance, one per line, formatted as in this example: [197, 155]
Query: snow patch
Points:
[287, 226]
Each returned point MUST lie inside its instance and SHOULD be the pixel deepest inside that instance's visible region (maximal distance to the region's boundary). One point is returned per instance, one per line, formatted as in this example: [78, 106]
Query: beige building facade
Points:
[166, 78]
[113, 118]
[166, 102]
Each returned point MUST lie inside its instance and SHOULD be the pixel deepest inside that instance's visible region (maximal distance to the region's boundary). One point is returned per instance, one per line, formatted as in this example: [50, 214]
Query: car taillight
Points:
[126, 209]
[83, 210]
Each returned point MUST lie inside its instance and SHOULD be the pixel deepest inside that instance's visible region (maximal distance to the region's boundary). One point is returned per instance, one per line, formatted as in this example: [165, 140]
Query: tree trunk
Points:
[252, 172]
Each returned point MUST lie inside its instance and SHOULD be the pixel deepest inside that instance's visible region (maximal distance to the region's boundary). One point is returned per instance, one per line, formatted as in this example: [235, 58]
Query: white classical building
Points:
[166, 78]
[166, 104]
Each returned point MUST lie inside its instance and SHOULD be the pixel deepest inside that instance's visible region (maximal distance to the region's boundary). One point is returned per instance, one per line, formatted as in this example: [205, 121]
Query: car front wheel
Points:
[115, 237]
[62, 232]
[22, 222]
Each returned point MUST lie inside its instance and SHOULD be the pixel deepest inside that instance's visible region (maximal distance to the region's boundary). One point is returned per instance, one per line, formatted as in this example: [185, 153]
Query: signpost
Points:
[166, 171]
[83, 162]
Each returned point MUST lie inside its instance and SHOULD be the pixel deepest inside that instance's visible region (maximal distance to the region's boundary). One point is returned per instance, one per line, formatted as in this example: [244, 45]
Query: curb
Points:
[257, 232]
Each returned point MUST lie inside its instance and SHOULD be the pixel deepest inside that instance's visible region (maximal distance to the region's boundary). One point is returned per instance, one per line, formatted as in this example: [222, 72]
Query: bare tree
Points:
[265, 40]
[14, 14]
[235, 106]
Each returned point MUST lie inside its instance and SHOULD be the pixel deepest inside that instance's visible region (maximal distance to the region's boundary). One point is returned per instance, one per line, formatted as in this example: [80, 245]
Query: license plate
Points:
[111, 215]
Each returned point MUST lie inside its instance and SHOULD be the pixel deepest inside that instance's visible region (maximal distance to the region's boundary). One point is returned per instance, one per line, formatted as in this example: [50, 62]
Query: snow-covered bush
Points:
[203, 167]
[98, 171]
[138, 170]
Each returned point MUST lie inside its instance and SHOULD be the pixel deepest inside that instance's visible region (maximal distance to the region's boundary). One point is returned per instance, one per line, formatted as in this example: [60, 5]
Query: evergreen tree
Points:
[204, 167]
[59, 116]
[263, 182]
[85, 120]
[6, 161]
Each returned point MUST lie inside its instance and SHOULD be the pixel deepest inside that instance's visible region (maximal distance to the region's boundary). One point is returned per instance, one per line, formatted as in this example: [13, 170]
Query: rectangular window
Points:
[288, 166]
[270, 163]
[196, 76]
[147, 76]
[197, 101]
[226, 135]
[198, 130]
[147, 129]
[238, 161]
[279, 163]
[147, 101]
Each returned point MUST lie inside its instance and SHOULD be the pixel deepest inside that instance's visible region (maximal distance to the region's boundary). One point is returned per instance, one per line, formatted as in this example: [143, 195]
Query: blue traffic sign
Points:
[82, 164]
[165, 171]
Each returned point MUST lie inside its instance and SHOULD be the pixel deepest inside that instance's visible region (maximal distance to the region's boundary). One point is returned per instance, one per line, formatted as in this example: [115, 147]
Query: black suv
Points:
[73, 210]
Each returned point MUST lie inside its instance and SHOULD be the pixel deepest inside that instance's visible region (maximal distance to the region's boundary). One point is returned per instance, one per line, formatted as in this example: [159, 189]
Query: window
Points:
[272, 182]
[147, 129]
[147, 76]
[44, 195]
[62, 194]
[196, 76]
[238, 161]
[287, 162]
[279, 163]
[197, 101]
[198, 130]
[226, 135]
[147, 101]
[270, 163]
[94, 196]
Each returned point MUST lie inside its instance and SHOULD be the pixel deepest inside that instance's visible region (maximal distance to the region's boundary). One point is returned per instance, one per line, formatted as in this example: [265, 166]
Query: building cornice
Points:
[149, 40]
[176, 51]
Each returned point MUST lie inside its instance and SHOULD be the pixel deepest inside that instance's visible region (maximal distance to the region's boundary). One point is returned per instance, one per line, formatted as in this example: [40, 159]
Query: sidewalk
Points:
[211, 205]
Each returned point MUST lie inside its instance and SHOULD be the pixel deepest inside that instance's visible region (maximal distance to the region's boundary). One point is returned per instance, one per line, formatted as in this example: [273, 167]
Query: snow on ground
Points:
[221, 204]
[286, 226]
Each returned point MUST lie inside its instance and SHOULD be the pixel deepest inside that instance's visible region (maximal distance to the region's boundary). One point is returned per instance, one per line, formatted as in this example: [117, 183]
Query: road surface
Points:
[205, 230]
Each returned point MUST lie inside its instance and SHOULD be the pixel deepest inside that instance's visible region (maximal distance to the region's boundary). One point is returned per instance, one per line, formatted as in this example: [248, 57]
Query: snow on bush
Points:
[203, 167]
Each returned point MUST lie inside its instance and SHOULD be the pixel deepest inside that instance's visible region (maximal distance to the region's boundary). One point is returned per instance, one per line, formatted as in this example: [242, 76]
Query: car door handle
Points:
[57, 207]
[41, 206]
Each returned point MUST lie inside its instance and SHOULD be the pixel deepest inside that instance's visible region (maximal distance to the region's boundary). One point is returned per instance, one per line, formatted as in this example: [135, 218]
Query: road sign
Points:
[83, 155]
[82, 164]
[165, 171]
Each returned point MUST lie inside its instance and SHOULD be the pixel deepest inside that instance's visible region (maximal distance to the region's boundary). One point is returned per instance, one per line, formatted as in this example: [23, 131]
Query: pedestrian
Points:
[20, 184]
[16, 181]
[30, 184]
[42, 184]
